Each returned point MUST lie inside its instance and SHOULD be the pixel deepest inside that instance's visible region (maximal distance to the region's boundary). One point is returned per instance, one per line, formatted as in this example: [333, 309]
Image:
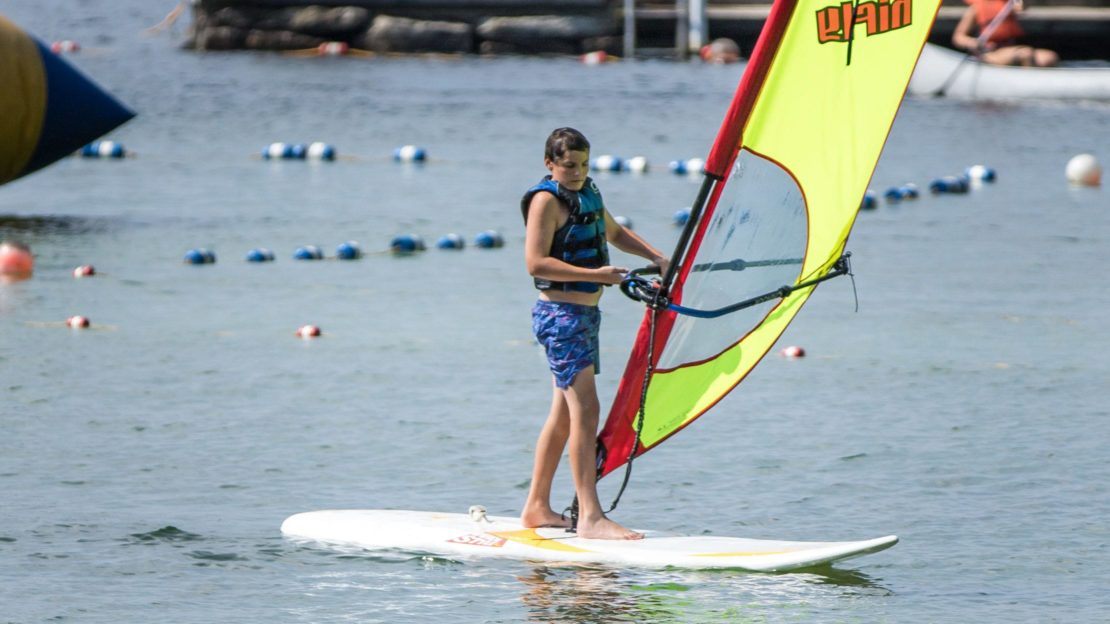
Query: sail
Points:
[48, 109]
[784, 181]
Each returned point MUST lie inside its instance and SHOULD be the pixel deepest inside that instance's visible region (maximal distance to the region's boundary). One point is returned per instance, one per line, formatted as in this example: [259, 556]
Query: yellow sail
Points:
[783, 185]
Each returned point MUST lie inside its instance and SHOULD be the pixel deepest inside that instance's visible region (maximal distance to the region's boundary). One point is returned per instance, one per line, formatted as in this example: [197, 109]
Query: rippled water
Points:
[148, 462]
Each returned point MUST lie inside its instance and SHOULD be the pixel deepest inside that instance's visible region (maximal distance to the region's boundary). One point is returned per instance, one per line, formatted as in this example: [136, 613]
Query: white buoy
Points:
[1084, 170]
[637, 164]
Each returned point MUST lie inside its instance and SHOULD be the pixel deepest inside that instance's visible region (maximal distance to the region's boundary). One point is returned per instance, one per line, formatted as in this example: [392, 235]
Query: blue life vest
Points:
[581, 241]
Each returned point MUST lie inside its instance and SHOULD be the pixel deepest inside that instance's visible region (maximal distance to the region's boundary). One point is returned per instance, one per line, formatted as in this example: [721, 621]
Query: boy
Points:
[566, 253]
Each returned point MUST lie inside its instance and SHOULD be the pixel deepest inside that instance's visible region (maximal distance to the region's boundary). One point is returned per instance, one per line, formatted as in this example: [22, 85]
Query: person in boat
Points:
[996, 34]
[567, 233]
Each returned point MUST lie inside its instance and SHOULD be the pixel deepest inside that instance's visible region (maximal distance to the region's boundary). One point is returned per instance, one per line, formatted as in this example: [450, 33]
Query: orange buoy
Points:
[16, 262]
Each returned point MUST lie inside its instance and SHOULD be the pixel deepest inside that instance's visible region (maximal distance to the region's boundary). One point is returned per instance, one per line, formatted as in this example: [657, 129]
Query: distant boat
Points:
[48, 109]
[941, 71]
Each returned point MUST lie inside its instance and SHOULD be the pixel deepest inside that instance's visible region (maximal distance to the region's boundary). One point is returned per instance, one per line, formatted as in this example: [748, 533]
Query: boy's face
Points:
[570, 168]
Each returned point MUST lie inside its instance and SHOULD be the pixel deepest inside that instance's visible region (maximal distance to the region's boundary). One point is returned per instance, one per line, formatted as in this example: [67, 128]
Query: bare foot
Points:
[606, 529]
[542, 517]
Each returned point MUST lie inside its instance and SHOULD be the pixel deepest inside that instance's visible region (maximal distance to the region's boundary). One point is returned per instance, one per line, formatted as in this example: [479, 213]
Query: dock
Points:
[1076, 29]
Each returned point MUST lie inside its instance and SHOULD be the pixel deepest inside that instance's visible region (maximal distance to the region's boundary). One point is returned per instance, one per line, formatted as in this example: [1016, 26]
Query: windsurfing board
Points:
[479, 536]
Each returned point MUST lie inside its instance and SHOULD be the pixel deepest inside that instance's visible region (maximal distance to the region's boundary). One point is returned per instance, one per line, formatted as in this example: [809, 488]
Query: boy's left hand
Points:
[663, 264]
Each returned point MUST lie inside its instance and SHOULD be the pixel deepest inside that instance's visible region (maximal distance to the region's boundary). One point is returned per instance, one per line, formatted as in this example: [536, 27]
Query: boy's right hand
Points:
[610, 275]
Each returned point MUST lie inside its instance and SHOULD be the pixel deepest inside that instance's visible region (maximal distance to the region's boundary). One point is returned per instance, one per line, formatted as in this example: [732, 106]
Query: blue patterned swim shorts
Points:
[568, 332]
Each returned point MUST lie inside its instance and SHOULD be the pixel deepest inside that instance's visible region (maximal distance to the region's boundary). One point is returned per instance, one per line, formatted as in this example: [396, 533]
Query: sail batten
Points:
[785, 177]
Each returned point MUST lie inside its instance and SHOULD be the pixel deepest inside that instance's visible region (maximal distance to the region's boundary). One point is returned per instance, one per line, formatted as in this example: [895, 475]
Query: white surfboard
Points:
[476, 535]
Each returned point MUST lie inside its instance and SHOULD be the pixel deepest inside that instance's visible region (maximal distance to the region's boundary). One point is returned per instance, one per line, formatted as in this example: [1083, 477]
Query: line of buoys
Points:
[85, 270]
[200, 255]
[1084, 170]
[410, 153]
[103, 149]
[299, 151]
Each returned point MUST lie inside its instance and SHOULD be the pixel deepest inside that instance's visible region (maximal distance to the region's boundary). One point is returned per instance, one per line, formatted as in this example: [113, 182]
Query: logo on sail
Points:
[835, 23]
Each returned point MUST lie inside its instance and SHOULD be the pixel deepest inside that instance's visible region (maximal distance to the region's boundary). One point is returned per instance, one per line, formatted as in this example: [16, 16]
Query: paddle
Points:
[980, 41]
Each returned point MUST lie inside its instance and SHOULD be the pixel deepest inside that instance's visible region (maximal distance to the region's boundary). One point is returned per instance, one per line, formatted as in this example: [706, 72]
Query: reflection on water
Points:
[13, 225]
[588, 594]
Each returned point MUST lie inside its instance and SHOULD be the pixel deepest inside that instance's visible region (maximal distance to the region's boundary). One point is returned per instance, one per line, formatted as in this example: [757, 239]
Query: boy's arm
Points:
[629, 242]
[543, 220]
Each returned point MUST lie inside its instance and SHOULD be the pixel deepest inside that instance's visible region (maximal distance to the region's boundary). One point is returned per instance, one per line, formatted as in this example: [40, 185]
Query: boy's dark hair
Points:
[563, 140]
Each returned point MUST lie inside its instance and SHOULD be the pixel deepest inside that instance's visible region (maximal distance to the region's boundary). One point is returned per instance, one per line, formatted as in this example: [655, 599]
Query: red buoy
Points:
[308, 331]
[793, 351]
[16, 262]
[77, 322]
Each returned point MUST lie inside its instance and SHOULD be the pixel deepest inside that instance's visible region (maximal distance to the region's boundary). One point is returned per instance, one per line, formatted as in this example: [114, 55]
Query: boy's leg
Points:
[584, 410]
[549, 450]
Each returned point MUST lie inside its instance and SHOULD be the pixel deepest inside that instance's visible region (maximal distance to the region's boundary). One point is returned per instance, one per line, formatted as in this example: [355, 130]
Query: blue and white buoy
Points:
[320, 151]
[410, 153]
[490, 239]
[200, 255]
[690, 166]
[451, 241]
[980, 173]
[949, 184]
[870, 200]
[623, 221]
[103, 149]
[308, 252]
[606, 162]
[284, 151]
[406, 244]
[260, 254]
[896, 194]
[349, 250]
[681, 216]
